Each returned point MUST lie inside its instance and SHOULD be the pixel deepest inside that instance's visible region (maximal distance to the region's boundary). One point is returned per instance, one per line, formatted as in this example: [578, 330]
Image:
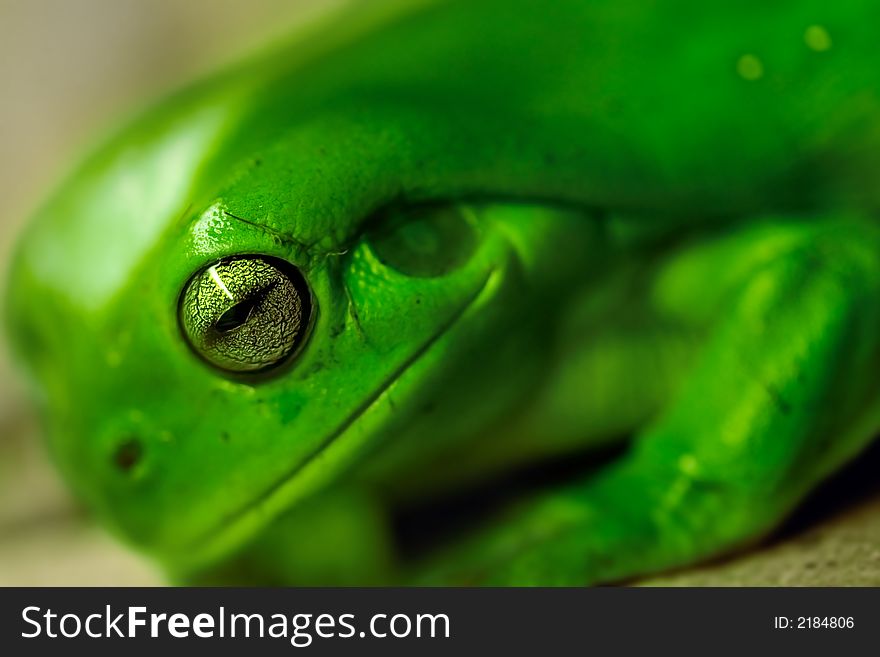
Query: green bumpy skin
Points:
[459, 241]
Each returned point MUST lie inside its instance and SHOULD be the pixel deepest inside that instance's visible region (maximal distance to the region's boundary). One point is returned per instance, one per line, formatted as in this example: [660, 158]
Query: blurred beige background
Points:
[70, 67]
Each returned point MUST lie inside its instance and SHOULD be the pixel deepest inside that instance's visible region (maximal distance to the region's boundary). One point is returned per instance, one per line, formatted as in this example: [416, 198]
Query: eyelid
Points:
[424, 241]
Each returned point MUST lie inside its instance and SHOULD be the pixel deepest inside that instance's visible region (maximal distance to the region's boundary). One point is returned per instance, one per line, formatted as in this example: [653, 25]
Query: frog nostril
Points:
[128, 454]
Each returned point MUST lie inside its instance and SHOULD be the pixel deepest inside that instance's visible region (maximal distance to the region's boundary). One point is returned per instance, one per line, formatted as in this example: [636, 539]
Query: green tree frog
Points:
[473, 293]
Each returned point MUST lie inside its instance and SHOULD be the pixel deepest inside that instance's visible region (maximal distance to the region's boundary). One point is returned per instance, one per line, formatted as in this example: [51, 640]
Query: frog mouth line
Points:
[216, 539]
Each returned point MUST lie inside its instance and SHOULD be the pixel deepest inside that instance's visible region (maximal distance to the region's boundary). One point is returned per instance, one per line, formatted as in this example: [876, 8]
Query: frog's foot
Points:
[784, 393]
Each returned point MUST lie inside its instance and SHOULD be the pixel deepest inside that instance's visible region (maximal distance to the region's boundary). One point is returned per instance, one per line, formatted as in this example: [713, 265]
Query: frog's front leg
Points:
[784, 392]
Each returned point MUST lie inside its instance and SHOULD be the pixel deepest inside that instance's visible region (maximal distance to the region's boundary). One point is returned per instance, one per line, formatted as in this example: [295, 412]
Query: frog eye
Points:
[246, 313]
[424, 241]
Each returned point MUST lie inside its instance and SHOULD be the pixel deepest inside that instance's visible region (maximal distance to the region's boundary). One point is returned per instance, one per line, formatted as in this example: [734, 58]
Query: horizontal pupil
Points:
[235, 316]
[240, 313]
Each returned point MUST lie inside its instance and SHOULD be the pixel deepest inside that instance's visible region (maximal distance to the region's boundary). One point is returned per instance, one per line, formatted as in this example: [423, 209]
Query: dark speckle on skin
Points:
[128, 454]
[779, 401]
[418, 301]
[314, 368]
[290, 408]
[224, 436]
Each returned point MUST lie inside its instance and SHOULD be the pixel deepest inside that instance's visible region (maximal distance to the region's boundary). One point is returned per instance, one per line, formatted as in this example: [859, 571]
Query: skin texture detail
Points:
[626, 251]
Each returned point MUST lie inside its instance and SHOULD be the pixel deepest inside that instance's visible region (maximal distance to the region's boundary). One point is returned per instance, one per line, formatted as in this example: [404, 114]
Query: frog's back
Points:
[683, 106]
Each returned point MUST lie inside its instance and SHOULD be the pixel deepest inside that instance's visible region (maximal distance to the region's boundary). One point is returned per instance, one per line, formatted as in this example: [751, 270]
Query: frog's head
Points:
[210, 351]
